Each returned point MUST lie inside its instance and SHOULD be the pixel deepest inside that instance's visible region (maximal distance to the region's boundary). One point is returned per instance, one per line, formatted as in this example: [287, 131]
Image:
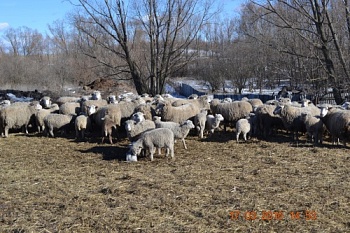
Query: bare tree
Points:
[165, 28]
[313, 26]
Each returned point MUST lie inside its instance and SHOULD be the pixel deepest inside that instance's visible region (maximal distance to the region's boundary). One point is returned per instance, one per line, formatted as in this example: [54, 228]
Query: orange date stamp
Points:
[268, 215]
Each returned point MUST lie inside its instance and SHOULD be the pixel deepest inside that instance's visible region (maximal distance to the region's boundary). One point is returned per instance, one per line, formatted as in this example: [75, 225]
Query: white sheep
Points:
[242, 126]
[199, 121]
[112, 99]
[98, 103]
[96, 95]
[45, 102]
[213, 122]
[147, 109]
[70, 108]
[231, 112]
[134, 130]
[290, 116]
[152, 139]
[180, 130]
[314, 127]
[337, 121]
[177, 114]
[111, 120]
[56, 121]
[42, 113]
[64, 99]
[82, 123]
[17, 116]
[138, 117]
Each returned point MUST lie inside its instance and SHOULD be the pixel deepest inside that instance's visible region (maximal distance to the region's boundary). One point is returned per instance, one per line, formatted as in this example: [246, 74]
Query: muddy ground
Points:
[216, 185]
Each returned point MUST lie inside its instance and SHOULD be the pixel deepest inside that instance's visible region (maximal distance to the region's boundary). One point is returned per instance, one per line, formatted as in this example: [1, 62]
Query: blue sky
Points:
[37, 14]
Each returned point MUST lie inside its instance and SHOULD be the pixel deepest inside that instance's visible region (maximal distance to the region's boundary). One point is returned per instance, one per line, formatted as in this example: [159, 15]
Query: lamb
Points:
[337, 121]
[81, 123]
[177, 114]
[199, 121]
[42, 113]
[134, 130]
[213, 122]
[70, 108]
[231, 112]
[314, 127]
[152, 139]
[56, 121]
[180, 130]
[17, 116]
[243, 126]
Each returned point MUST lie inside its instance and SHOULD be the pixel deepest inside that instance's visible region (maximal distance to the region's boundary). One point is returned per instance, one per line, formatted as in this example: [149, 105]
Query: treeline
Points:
[304, 44]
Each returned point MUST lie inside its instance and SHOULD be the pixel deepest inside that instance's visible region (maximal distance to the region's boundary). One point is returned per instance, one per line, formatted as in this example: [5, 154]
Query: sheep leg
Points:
[83, 134]
[152, 150]
[110, 138]
[171, 148]
[184, 143]
[245, 137]
[6, 131]
[237, 136]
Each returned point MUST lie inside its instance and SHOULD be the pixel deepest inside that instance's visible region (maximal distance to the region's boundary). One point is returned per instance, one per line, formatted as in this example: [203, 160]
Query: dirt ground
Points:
[216, 185]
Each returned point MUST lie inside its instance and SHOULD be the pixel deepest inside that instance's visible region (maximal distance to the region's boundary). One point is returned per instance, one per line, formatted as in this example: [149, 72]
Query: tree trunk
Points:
[337, 95]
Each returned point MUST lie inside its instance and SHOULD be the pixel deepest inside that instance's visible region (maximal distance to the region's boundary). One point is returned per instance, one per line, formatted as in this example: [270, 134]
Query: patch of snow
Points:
[14, 98]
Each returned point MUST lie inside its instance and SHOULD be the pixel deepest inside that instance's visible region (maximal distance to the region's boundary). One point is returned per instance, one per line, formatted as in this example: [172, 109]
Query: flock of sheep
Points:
[156, 122]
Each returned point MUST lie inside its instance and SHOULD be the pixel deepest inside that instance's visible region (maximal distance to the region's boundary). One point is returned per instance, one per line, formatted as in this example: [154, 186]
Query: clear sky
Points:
[35, 14]
[38, 14]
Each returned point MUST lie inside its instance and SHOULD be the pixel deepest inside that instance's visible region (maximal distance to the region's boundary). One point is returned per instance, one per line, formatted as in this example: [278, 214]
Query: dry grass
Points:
[60, 185]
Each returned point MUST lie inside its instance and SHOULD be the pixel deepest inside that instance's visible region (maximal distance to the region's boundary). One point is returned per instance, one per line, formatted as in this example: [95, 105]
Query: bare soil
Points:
[63, 185]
